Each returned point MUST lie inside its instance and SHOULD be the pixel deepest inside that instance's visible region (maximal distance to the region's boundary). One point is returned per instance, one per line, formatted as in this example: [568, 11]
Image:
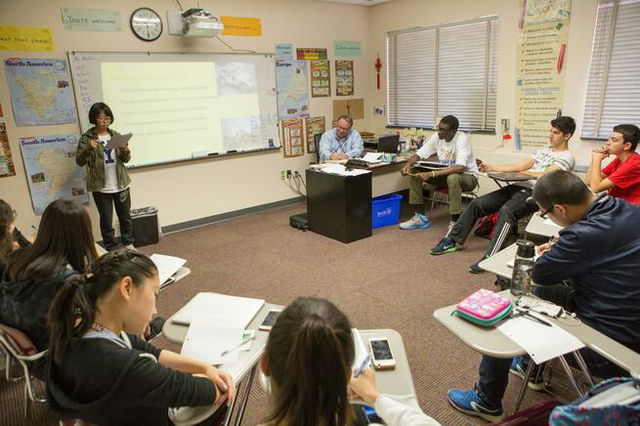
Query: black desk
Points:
[339, 207]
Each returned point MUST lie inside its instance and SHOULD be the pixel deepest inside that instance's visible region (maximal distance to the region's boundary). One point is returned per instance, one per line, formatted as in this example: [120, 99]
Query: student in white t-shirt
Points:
[453, 148]
[510, 201]
[107, 177]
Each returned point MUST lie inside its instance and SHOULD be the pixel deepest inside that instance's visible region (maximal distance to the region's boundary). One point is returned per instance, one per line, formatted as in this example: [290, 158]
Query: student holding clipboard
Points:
[107, 177]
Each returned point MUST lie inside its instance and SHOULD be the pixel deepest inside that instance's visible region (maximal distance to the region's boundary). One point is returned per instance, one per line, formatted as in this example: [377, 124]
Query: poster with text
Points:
[540, 77]
[344, 78]
[292, 84]
[292, 137]
[51, 169]
[314, 126]
[320, 79]
[307, 53]
[6, 160]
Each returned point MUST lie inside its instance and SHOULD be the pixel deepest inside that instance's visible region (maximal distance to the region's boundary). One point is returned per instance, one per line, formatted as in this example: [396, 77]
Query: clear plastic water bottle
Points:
[522, 268]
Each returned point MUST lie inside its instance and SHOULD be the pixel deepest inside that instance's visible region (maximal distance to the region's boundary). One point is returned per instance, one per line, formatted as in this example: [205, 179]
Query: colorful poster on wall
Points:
[540, 56]
[292, 84]
[249, 27]
[292, 137]
[320, 79]
[51, 169]
[6, 160]
[313, 126]
[306, 53]
[344, 78]
[345, 48]
[91, 19]
[26, 38]
[41, 92]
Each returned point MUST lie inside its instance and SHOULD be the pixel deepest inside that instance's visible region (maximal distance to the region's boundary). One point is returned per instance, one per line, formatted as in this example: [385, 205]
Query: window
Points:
[441, 70]
[613, 90]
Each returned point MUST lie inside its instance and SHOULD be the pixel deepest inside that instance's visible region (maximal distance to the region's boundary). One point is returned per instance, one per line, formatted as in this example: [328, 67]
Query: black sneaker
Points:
[475, 269]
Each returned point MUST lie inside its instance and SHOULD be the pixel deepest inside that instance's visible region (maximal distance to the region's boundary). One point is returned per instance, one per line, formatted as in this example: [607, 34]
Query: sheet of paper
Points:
[118, 141]
[232, 311]
[541, 342]
[339, 169]
[361, 351]
[207, 338]
[167, 265]
[372, 157]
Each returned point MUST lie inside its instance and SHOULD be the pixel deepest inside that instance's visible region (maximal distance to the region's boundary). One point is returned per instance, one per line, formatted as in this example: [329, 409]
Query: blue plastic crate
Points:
[385, 210]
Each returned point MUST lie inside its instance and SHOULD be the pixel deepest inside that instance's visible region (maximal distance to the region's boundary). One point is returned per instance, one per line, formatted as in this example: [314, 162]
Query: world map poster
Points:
[51, 169]
[41, 92]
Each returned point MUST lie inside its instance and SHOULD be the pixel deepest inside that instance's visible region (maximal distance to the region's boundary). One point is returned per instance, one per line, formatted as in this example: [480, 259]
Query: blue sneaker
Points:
[470, 403]
[446, 245]
[418, 221]
[519, 368]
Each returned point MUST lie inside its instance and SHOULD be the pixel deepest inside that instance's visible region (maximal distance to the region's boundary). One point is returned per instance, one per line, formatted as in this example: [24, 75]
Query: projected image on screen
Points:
[181, 109]
[236, 78]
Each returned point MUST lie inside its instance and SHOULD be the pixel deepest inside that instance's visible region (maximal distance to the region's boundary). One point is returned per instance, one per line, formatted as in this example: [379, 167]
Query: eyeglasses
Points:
[104, 119]
[545, 213]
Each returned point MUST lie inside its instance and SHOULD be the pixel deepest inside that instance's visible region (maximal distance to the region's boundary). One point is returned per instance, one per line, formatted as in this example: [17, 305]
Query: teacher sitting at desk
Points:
[107, 177]
[341, 142]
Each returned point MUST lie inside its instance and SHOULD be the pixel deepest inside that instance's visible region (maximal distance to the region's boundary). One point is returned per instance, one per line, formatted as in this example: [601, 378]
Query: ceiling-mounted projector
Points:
[200, 23]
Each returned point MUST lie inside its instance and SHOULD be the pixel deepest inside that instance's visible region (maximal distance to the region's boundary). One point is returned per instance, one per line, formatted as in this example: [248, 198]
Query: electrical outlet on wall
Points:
[283, 174]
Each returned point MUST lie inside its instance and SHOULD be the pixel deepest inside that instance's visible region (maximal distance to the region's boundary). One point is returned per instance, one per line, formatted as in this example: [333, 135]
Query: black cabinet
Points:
[339, 207]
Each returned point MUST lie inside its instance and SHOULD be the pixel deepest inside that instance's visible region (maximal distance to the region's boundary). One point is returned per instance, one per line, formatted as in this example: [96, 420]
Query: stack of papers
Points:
[373, 157]
[339, 169]
[232, 311]
[167, 266]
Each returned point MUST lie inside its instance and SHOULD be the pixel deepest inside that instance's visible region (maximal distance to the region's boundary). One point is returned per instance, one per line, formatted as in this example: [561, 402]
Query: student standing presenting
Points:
[107, 177]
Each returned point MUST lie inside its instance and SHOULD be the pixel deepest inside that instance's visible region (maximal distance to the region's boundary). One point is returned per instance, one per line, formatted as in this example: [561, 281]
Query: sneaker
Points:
[519, 368]
[130, 247]
[446, 245]
[418, 221]
[476, 269]
[469, 402]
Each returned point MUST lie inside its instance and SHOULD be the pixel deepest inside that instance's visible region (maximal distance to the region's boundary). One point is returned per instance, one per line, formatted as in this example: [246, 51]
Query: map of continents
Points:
[41, 91]
[52, 173]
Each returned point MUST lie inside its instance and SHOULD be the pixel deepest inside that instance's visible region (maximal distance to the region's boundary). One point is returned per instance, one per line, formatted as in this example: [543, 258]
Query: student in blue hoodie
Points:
[599, 251]
[100, 370]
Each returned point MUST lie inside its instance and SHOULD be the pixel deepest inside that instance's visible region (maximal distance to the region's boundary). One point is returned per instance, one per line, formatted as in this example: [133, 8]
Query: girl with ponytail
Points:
[308, 362]
[101, 370]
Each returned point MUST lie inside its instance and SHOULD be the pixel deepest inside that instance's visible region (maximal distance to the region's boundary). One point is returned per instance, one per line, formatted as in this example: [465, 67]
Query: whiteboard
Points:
[181, 105]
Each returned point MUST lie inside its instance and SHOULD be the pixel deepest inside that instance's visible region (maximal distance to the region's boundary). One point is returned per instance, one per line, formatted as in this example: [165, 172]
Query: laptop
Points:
[389, 144]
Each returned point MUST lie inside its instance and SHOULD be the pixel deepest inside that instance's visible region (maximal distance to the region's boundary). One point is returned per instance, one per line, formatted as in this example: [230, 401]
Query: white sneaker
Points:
[418, 221]
[130, 247]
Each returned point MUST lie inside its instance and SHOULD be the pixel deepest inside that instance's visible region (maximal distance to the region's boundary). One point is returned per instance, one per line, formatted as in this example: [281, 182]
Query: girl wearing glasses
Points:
[107, 177]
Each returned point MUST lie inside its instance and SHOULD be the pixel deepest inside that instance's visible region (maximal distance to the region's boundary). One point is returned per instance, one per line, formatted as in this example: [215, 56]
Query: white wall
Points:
[400, 14]
[202, 188]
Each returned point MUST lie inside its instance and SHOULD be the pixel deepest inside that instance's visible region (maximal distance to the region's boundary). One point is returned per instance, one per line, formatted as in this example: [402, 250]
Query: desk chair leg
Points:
[500, 240]
[572, 379]
[227, 417]
[583, 367]
[245, 400]
[523, 388]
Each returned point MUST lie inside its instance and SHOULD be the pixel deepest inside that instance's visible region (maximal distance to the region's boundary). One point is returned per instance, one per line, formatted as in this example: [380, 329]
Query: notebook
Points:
[167, 266]
[232, 311]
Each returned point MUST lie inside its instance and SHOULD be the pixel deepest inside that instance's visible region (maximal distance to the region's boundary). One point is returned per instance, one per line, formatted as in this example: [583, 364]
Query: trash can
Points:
[385, 210]
[145, 226]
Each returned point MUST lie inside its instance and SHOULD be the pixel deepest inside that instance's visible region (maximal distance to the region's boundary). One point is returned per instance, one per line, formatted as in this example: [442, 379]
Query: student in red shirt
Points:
[621, 177]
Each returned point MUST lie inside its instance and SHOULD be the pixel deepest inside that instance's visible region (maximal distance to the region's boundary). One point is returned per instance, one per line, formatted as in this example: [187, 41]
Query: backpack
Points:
[486, 226]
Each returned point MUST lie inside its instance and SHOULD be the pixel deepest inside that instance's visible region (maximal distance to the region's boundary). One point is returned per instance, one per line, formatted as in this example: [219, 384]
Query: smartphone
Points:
[381, 354]
[270, 319]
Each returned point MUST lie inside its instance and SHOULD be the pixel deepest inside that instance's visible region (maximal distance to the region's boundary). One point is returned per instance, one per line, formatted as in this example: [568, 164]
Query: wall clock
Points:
[146, 24]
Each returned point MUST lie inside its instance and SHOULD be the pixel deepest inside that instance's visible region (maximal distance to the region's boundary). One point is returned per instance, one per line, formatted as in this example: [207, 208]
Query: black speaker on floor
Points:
[145, 226]
[299, 221]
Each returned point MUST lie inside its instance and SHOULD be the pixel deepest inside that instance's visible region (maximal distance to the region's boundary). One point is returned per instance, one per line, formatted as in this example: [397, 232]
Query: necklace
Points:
[100, 327]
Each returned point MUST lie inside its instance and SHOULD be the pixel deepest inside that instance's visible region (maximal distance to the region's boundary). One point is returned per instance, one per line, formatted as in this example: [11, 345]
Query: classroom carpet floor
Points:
[386, 281]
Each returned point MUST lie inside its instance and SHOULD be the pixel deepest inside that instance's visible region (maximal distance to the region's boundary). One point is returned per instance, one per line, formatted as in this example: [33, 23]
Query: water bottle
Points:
[522, 268]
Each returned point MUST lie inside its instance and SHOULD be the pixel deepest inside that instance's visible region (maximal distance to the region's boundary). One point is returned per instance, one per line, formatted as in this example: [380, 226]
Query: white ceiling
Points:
[359, 2]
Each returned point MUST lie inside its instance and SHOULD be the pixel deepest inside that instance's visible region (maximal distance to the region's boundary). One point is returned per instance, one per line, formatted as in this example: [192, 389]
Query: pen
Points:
[248, 339]
[535, 318]
[362, 366]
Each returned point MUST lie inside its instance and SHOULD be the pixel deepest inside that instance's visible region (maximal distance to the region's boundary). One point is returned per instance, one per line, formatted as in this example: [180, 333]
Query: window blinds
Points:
[613, 89]
[442, 70]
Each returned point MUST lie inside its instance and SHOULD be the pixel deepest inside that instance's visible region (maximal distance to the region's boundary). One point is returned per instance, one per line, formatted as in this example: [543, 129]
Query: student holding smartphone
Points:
[100, 370]
[308, 362]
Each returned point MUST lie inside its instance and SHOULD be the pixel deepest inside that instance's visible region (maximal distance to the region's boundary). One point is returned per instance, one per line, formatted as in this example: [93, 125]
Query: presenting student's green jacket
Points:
[93, 159]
